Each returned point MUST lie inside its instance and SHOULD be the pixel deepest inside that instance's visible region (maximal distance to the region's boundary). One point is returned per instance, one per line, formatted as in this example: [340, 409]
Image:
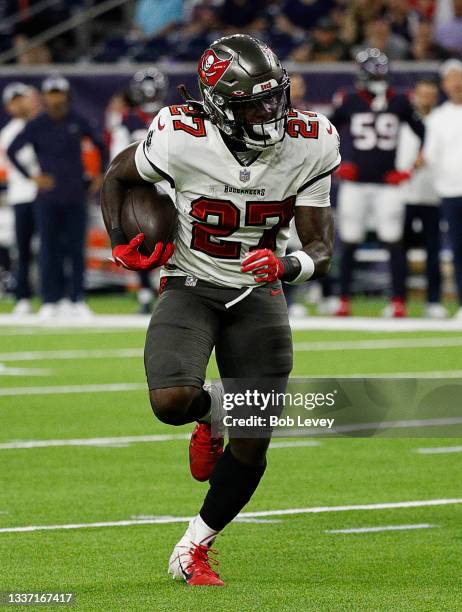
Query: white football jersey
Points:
[226, 208]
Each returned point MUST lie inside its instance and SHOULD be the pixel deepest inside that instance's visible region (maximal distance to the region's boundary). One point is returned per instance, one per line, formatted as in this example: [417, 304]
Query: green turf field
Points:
[292, 562]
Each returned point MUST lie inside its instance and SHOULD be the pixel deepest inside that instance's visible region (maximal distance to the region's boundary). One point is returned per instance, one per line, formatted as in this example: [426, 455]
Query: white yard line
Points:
[126, 440]
[379, 344]
[5, 371]
[72, 354]
[100, 322]
[384, 528]
[294, 444]
[438, 450]
[112, 387]
[93, 441]
[103, 388]
[244, 515]
[346, 345]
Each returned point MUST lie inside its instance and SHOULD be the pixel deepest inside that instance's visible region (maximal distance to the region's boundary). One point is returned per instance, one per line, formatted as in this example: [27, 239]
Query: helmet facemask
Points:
[258, 121]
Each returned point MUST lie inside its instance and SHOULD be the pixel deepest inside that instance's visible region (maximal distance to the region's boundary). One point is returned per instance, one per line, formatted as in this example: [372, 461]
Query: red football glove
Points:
[347, 171]
[396, 177]
[128, 255]
[265, 266]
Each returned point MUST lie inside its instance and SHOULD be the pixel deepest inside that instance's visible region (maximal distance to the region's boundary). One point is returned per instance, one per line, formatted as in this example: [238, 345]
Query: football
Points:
[146, 209]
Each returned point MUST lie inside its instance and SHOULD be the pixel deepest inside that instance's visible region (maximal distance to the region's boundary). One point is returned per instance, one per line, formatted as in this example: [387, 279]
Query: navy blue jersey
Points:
[370, 134]
[132, 128]
[58, 148]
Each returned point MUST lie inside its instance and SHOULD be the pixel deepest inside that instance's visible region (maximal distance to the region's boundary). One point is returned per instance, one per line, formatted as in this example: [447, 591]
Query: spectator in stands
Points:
[443, 154]
[298, 91]
[449, 33]
[39, 54]
[198, 34]
[157, 18]
[306, 13]
[243, 15]
[380, 36]
[19, 103]
[357, 15]
[324, 45]
[422, 201]
[403, 21]
[56, 137]
[423, 47]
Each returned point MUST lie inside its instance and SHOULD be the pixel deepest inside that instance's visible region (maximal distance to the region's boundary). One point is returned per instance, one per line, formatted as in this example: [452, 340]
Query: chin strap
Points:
[196, 108]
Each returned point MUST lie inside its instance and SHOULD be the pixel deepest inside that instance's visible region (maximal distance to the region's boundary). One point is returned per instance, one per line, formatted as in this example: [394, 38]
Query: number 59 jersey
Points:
[226, 208]
[372, 127]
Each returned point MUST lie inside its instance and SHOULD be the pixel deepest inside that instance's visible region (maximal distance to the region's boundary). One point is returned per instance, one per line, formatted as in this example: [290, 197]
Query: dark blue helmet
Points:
[148, 90]
[373, 65]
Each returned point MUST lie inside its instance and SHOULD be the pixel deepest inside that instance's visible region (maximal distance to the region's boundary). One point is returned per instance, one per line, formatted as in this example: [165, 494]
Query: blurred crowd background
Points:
[176, 30]
[101, 69]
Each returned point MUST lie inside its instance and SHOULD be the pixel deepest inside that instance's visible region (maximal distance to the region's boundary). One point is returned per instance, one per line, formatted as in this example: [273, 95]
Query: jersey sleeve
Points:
[410, 116]
[432, 141]
[327, 154]
[154, 159]
[317, 194]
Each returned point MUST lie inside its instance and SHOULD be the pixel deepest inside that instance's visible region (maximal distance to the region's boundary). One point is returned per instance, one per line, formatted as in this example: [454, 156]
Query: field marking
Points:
[294, 444]
[378, 529]
[73, 354]
[238, 519]
[438, 450]
[345, 345]
[112, 387]
[120, 441]
[102, 388]
[5, 371]
[379, 344]
[106, 322]
[157, 520]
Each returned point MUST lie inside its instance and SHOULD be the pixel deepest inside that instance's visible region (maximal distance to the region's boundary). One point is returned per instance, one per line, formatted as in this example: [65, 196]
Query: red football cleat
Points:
[193, 565]
[396, 309]
[344, 308]
[204, 451]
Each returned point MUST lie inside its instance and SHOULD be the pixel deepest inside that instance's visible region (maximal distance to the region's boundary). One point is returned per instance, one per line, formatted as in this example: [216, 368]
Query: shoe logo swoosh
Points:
[184, 572]
[159, 125]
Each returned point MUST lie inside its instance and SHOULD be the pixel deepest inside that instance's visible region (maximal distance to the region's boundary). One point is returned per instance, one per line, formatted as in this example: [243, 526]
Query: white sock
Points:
[216, 412]
[203, 534]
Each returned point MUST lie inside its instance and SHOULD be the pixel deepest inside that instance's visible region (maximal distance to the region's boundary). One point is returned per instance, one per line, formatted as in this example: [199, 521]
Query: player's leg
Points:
[179, 342]
[50, 259]
[254, 343]
[75, 231]
[452, 211]
[389, 214]
[351, 221]
[145, 292]
[430, 215]
[24, 230]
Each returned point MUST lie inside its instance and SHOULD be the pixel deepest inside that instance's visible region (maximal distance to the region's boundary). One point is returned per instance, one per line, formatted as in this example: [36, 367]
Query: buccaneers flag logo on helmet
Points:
[212, 68]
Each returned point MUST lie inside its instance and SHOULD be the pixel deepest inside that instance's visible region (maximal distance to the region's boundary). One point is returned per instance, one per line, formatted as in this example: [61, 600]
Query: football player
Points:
[145, 96]
[370, 193]
[242, 164]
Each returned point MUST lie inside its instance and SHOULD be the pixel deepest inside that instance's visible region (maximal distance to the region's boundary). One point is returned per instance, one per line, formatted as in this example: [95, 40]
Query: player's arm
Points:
[410, 116]
[121, 175]
[314, 225]
[44, 182]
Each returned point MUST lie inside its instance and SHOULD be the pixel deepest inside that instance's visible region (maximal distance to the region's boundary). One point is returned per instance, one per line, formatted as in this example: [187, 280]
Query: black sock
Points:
[397, 269]
[232, 484]
[346, 268]
[199, 406]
